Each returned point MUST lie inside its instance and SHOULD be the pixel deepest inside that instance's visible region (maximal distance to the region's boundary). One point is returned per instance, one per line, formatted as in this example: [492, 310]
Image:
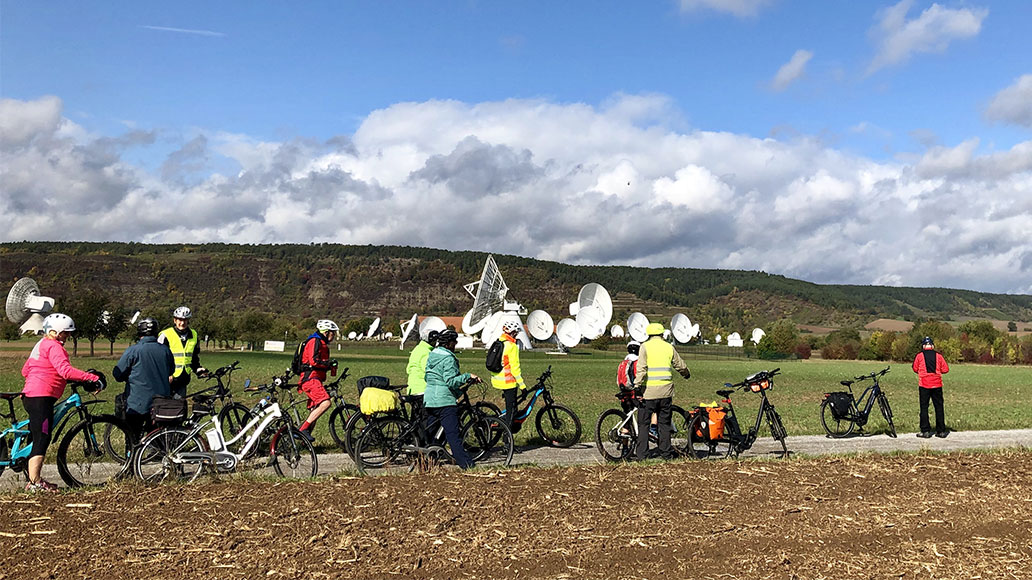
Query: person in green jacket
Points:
[417, 369]
[444, 385]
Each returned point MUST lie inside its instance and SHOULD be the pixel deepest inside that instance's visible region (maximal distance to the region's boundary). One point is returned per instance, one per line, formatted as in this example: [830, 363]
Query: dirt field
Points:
[905, 516]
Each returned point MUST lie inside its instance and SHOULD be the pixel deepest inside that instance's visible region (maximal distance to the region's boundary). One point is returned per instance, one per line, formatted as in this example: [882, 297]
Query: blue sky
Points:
[845, 126]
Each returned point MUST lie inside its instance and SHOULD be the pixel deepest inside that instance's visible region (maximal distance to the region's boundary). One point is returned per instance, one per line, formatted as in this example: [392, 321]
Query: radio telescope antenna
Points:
[406, 329]
[695, 330]
[594, 310]
[636, 325]
[540, 325]
[373, 327]
[352, 335]
[735, 339]
[717, 338]
[681, 327]
[568, 333]
[431, 323]
[468, 327]
[616, 331]
[25, 305]
[757, 335]
[489, 294]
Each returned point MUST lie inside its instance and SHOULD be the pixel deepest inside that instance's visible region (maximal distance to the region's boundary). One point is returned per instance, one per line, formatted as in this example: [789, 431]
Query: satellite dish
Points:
[757, 335]
[735, 339]
[388, 335]
[636, 325]
[681, 327]
[596, 295]
[431, 323]
[592, 321]
[25, 305]
[352, 335]
[695, 330]
[471, 329]
[717, 338]
[134, 318]
[540, 325]
[406, 329]
[489, 294]
[616, 331]
[568, 332]
[666, 334]
[492, 328]
[574, 307]
[373, 327]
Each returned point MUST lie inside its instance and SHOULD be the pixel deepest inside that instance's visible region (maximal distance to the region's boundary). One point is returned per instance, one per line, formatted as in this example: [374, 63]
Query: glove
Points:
[685, 373]
[202, 372]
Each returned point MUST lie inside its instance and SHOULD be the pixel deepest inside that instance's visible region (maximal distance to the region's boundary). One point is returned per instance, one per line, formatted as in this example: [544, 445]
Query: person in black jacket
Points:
[146, 368]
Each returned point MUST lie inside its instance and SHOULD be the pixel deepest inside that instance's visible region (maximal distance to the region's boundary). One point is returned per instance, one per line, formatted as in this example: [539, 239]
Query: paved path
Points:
[805, 445]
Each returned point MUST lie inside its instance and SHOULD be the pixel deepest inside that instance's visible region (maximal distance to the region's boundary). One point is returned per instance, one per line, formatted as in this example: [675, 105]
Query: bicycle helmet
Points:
[927, 343]
[325, 326]
[447, 337]
[58, 323]
[511, 327]
[182, 312]
[432, 337]
[654, 329]
[633, 347]
[98, 385]
[147, 327]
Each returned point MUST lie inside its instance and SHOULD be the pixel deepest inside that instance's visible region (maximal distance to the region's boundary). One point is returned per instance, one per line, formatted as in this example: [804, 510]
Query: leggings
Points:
[41, 422]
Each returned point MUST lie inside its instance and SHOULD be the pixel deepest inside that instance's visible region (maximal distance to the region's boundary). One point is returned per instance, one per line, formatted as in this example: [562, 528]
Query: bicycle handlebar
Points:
[754, 378]
[872, 375]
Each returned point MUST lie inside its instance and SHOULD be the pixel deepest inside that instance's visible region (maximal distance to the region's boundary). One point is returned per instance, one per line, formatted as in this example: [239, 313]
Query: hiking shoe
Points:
[924, 434]
[304, 433]
[942, 434]
[40, 486]
[654, 431]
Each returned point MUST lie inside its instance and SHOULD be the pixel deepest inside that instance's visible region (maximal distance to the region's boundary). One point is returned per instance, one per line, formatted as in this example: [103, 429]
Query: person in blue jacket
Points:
[444, 385]
[146, 368]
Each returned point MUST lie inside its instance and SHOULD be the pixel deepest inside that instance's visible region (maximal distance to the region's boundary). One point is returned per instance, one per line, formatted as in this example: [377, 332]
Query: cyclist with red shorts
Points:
[315, 362]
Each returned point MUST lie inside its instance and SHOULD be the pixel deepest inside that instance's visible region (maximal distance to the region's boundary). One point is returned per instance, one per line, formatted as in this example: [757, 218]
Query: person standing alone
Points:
[930, 366]
[182, 341]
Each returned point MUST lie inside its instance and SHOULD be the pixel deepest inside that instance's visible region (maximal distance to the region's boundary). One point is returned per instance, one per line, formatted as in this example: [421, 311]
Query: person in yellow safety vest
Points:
[657, 360]
[510, 376]
[416, 368]
[182, 341]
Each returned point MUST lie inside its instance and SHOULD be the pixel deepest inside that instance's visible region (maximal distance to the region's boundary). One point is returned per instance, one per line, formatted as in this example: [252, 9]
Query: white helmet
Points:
[511, 327]
[182, 312]
[58, 323]
[326, 326]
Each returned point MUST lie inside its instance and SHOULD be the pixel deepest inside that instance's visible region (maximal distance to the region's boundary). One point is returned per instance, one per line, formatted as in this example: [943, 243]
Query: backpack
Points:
[297, 365]
[625, 373]
[493, 362]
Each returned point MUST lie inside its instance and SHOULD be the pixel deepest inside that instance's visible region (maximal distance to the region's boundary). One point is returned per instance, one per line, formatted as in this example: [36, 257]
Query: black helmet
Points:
[927, 341]
[633, 347]
[432, 336]
[447, 337]
[147, 327]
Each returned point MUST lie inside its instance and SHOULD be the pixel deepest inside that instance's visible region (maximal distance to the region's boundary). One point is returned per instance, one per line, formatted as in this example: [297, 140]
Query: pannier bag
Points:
[702, 432]
[168, 410]
[841, 403]
[493, 361]
[373, 400]
[716, 421]
[373, 382]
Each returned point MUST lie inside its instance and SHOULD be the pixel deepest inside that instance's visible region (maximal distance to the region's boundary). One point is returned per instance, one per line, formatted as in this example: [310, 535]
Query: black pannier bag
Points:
[373, 381]
[168, 410]
[841, 404]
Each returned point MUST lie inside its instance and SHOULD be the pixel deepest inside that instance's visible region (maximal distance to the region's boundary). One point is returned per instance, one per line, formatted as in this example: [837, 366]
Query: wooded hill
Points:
[303, 282]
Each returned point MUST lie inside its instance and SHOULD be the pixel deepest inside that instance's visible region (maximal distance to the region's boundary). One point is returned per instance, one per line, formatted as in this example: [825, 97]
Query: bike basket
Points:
[168, 410]
[841, 403]
[374, 382]
[373, 400]
[716, 421]
[760, 385]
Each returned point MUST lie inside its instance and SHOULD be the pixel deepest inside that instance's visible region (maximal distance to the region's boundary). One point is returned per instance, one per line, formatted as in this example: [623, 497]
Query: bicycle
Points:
[183, 453]
[358, 421]
[83, 457]
[721, 435]
[557, 425]
[394, 442]
[841, 412]
[616, 431]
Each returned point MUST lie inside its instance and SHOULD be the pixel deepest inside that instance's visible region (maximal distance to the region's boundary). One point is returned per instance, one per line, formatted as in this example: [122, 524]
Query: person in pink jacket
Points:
[46, 373]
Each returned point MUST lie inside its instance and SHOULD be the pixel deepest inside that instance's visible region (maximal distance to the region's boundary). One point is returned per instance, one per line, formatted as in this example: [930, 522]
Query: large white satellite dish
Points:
[757, 335]
[592, 321]
[489, 293]
[637, 323]
[470, 328]
[596, 295]
[695, 330]
[26, 307]
[431, 323]
[681, 327]
[492, 328]
[407, 328]
[352, 335]
[574, 307]
[568, 332]
[375, 326]
[735, 339]
[540, 325]
[717, 338]
[616, 331]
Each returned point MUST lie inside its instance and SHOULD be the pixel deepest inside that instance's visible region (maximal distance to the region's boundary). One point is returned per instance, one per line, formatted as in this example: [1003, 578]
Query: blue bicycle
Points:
[94, 451]
[557, 425]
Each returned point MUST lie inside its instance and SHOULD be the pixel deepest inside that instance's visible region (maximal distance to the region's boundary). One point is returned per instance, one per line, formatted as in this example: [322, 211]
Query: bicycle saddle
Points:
[724, 392]
[845, 383]
[10, 396]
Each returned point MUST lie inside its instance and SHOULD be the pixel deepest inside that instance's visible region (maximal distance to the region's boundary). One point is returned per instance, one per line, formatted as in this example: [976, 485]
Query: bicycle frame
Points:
[19, 451]
[253, 431]
[522, 415]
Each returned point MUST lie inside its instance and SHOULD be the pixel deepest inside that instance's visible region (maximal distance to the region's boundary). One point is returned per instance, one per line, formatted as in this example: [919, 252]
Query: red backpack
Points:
[625, 373]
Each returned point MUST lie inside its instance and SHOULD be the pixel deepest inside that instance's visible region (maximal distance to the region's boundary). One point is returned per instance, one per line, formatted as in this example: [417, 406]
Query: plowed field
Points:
[907, 516]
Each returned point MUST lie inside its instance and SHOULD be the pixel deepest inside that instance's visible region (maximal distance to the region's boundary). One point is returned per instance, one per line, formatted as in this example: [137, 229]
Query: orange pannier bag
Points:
[716, 421]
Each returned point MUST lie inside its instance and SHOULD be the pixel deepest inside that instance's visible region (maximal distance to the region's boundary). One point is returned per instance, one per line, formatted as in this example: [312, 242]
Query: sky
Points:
[868, 142]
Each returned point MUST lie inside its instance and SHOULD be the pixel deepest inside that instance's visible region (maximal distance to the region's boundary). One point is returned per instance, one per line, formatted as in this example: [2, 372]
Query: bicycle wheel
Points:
[159, 456]
[836, 428]
[233, 418]
[777, 430]
[558, 426]
[886, 411]
[339, 423]
[699, 444]
[489, 441]
[355, 426]
[679, 419]
[614, 440]
[292, 454]
[94, 452]
[381, 444]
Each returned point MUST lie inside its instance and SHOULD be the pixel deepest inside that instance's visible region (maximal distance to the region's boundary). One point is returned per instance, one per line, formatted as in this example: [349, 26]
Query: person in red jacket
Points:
[930, 366]
[315, 362]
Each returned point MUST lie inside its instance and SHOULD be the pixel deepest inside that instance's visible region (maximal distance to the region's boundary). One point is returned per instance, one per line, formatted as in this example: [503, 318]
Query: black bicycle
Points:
[715, 432]
[841, 412]
[556, 424]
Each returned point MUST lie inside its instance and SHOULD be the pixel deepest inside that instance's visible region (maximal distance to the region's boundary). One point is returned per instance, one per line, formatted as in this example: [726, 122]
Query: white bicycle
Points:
[269, 439]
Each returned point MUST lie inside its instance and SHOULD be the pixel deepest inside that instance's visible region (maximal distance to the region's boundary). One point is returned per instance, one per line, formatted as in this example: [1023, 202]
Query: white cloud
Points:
[569, 182]
[739, 8]
[792, 70]
[1013, 104]
[898, 38]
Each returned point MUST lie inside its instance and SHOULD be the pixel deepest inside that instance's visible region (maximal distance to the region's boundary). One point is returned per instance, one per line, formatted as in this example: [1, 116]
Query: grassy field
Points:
[977, 396]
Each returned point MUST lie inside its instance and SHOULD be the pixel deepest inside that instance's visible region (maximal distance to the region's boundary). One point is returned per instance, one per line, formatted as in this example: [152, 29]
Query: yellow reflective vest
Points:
[510, 376]
[180, 351]
[659, 356]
